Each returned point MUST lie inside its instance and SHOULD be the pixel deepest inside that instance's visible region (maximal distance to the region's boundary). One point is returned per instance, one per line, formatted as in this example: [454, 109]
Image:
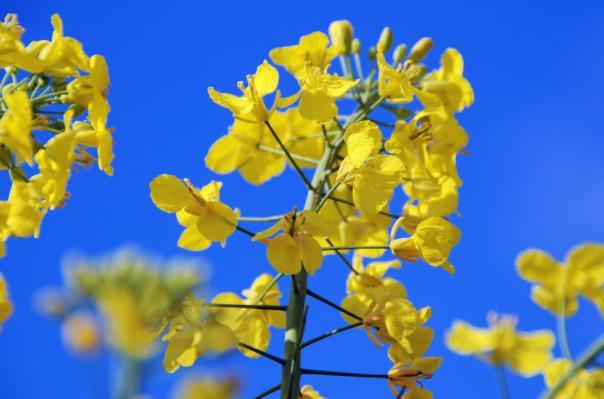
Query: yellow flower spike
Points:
[16, 124]
[500, 344]
[200, 211]
[297, 245]
[312, 48]
[586, 384]
[432, 241]
[559, 284]
[341, 34]
[449, 84]
[62, 56]
[6, 308]
[80, 333]
[250, 107]
[319, 93]
[308, 392]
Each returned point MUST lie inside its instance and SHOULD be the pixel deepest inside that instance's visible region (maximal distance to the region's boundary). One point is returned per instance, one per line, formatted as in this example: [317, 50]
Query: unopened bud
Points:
[420, 49]
[341, 33]
[399, 53]
[385, 40]
[356, 46]
[372, 53]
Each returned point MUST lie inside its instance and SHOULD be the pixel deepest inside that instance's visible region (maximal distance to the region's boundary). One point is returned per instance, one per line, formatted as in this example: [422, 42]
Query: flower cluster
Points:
[53, 118]
[332, 124]
[118, 299]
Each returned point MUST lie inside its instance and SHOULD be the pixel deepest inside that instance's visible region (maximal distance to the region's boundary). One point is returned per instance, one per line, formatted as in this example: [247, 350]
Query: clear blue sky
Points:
[534, 178]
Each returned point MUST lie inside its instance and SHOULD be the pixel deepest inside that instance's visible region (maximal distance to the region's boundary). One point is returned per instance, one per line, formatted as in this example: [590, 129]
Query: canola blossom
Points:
[333, 126]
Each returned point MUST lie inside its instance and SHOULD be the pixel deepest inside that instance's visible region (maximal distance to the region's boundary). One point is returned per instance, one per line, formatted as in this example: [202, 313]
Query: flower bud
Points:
[399, 53]
[340, 33]
[356, 46]
[385, 40]
[372, 53]
[80, 333]
[420, 49]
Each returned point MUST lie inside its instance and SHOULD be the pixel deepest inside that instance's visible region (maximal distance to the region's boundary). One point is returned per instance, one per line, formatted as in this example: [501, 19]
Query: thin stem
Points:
[324, 199]
[343, 374]
[333, 305]
[401, 393]
[269, 286]
[272, 150]
[584, 360]
[245, 231]
[561, 320]
[502, 383]
[330, 334]
[289, 156]
[260, 218]
[346, 261]
[347, 202]
[262, 353]
[268, 392]
[354, 247]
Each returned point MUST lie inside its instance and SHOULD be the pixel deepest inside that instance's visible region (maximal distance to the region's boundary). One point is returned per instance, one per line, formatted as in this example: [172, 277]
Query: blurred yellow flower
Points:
[200, 211]
[80, 333]
[308, 392]
[297, 245]
[6, 308]
[207, 388]
[500, 344]
[558, 286]
[586, 384]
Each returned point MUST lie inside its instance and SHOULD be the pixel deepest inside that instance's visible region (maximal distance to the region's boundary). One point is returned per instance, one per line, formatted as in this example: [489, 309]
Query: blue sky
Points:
[534, 177]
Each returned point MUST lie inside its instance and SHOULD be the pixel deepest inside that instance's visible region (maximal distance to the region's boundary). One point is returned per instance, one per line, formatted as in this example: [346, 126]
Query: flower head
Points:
[313, 49]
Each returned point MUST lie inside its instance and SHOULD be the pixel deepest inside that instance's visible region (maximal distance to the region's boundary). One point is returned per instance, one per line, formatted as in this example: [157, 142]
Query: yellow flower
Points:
[432, 241]
[207, 388]
[301, 136]
[500, 344]
[319, 93]
[97, 136]
[418, 343]
[62, 56]
[297, 245]
[241, 150]
[90, 91]
[80, 333]
[559, 285]
[251, 326]
[408, 375]
[250, 106]
[200, 211]
[12, 51]
[369, 283]
[55, 161]
[373, 176]
[395, 84]
[586, 384]
[21, 212]
[191, 334]
[308, 392]
[312, 48]
[449, 84]
[16, 124]
[341, 34]
[6, 308]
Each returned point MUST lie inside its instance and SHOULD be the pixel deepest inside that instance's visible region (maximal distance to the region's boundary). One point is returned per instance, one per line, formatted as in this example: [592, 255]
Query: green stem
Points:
[331, 333]
[502, 383]
[243, 306]
[128, 380]
[268, 392]
[354, 247]
[269, 286]
[260, 218]
[561, 320]
[584, 360]
[272, 150]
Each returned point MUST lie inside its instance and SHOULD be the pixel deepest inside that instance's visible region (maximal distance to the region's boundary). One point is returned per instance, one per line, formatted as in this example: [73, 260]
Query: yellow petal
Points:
[193, 240]
[310, 250]
[466, 339]
[531, 353]
[539, 267]
[317, 106]
[217, 221]
[283, 254]
[266, 79]
[169, 193]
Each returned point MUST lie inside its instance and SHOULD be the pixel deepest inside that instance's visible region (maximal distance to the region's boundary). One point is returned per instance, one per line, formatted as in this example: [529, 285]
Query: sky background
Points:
[534, 177]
